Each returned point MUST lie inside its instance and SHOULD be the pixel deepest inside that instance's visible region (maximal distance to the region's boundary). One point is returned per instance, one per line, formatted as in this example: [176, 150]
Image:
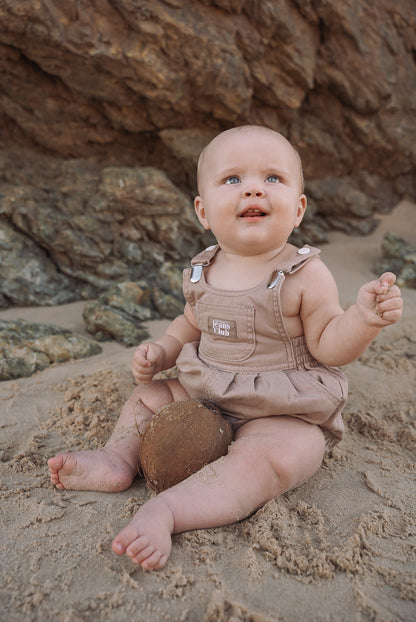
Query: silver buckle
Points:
[274, 279]
[196, 273]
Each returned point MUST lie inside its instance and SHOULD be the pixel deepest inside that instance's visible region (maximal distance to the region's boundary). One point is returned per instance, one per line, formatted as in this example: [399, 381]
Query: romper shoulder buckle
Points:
[196, 272]
[274, 279]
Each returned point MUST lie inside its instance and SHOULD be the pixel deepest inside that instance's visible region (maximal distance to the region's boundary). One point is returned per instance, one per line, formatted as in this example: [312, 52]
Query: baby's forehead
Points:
[230, 145]
[229, 142]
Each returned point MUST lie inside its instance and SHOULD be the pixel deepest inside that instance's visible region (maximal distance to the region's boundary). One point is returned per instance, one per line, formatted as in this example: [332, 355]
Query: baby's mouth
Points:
[253, 212]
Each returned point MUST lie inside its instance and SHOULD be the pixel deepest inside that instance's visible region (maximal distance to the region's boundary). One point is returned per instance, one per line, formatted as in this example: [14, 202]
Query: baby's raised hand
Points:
[380, 301]
[148, 359]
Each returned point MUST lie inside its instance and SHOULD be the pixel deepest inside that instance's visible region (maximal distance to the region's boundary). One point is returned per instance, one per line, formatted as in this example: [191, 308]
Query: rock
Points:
[130, 298]
[186, 144]
[104, 109]
[133, 72]
[119, 313]
[106, 323]
[167, 297]
[27, 347]
[167, 305]
[399, 257]
[94, 226]
[180, 439]
[342, 205]
[29, 277]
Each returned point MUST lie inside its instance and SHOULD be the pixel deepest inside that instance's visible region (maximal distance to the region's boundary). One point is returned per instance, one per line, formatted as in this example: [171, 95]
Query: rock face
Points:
[72, 228]
[104, 107]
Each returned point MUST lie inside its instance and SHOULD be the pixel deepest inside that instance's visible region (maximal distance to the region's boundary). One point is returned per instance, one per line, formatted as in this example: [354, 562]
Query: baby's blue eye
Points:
[273, 179]
[232, 180]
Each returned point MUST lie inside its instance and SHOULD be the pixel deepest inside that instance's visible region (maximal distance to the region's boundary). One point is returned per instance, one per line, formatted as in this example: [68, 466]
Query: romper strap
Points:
[202, 259]
[205, 257]
[292, 260]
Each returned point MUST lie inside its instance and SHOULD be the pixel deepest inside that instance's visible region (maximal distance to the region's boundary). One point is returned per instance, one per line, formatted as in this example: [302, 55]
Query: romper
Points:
[246, 363]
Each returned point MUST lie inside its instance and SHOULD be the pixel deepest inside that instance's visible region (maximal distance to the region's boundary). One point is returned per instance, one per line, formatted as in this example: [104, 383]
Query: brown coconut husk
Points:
[180, 439]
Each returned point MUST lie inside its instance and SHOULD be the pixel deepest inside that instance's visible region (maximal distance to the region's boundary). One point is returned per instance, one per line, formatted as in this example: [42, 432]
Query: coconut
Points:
[180, 439]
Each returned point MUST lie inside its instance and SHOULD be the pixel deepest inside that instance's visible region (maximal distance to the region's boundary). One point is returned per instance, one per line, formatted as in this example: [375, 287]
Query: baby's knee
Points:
[270, 465]
[278, 466]
[153, 395]
[156, 394]
[286, 468]
[295, 464]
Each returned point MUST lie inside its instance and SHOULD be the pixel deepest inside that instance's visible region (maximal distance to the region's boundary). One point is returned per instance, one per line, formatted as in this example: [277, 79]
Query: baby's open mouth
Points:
[252, 212]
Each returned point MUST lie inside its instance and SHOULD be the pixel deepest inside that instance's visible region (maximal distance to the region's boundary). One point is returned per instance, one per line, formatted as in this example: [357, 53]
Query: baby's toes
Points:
[162, 561]
[137, 556]
[54, 478]
[125, 540]
[154, 561]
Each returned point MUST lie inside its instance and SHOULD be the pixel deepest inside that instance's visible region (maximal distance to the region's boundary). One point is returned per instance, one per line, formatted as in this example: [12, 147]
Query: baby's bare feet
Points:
[147, 538]
[102, 470]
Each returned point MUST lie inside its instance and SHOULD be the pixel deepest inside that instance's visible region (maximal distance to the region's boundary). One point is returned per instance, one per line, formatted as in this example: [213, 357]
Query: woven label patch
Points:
[222, 328]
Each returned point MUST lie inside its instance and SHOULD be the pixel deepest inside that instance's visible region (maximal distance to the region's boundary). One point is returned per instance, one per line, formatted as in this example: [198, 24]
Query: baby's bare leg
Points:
[114, 467]
[269, 456]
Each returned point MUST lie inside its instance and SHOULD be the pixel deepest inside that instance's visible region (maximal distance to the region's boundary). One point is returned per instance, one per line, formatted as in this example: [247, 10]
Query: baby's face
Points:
[251, 195]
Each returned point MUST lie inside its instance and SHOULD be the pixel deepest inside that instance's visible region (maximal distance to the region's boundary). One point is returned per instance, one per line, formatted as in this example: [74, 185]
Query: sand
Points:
[340, 547]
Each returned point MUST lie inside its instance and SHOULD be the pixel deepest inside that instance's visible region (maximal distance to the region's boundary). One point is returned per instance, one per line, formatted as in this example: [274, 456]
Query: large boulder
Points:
[71, 229]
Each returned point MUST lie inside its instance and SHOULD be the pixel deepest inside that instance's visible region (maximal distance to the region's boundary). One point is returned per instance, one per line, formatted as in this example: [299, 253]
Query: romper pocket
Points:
[227, 331]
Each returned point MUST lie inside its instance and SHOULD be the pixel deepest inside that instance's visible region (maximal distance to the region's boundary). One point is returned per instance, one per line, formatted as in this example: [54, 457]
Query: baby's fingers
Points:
[390, 293]
[142, 374]
[142, 367]
[390, 309]
[386, 282]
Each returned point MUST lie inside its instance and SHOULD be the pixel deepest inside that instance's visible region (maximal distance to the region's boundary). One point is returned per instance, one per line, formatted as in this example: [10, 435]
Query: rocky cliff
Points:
[104, 107]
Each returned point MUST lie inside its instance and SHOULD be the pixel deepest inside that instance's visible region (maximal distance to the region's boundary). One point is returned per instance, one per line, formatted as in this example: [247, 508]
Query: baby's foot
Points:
[147, 538]
[102, 470]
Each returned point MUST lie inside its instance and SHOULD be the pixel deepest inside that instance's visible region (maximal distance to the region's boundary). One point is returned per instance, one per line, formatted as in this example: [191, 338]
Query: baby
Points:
[261, 335]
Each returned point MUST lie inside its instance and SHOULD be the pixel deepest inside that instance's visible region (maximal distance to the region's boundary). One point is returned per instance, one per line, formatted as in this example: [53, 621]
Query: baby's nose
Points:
[253, 191]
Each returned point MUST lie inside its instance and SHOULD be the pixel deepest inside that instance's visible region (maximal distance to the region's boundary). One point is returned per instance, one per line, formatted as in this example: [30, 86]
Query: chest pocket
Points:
[227, 331]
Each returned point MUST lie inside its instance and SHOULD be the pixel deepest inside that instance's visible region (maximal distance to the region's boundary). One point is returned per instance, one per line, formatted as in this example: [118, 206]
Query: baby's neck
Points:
[238, 272]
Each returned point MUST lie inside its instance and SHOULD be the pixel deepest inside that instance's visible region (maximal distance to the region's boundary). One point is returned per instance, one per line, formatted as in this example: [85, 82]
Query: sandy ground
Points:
[340, 547]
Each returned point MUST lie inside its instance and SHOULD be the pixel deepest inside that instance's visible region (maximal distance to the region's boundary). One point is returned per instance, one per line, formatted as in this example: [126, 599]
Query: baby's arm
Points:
[335, 337]
[153, 357]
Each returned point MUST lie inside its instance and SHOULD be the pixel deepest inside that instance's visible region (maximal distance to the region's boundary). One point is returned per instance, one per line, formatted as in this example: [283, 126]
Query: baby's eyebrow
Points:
[220, 176]
[228, 172]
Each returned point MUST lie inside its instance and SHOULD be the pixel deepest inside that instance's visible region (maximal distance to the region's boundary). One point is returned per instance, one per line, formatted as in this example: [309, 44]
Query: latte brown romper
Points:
[245, 361]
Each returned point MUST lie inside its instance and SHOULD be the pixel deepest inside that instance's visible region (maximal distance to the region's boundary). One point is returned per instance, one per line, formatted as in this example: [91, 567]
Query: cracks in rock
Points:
[322, 31]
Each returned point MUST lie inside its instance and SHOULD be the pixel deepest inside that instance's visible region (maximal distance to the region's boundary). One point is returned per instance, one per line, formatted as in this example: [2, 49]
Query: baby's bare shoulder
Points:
[316, 285]
[314, 273]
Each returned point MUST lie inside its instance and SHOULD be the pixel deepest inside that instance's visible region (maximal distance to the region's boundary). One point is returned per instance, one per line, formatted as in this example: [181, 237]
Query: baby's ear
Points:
[300, 212]
[200, 212]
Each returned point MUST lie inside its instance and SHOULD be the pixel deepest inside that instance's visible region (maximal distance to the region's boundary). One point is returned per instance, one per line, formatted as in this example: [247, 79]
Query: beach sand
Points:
[340, 547]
